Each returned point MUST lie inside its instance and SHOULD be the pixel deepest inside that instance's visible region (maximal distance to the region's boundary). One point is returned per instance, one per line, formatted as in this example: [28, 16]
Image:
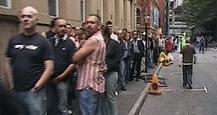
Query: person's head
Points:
[52, 24]
[127, 36]
[68, 28]
[28, 18]
[120, 34]
[72, 32]
[80, 37]
[135, 34]
[109, 24]
[93, 24]
[124, 30]
[60, 27]
[106, 31]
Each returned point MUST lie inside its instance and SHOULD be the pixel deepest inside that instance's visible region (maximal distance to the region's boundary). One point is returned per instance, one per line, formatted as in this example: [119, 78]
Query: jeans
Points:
[90, 102]
[62, 92]
[35, 101]
[150, 59]
[128, 67]
[111, 97]
[57, 98]
[122, 74]
[187, 75]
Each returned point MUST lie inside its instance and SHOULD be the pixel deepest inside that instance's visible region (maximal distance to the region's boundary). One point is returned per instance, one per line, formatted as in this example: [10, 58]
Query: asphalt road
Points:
[175, 100]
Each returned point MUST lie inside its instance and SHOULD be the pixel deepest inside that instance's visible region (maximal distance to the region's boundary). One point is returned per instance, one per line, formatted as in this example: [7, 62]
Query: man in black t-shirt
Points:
[30, 62]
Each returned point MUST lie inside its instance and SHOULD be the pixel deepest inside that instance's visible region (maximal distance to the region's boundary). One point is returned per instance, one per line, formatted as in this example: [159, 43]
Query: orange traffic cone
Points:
[154, 87]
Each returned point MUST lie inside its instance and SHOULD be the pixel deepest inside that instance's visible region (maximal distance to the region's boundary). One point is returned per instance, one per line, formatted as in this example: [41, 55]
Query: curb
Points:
[140, 101]
[213, 49]
[142, 97]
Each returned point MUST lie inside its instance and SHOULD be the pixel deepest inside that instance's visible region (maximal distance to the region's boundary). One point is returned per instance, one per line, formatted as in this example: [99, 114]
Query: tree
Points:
[201, 13]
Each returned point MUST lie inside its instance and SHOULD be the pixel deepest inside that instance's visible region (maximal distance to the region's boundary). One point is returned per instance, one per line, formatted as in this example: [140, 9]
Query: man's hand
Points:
[58, 79]
[37, 87]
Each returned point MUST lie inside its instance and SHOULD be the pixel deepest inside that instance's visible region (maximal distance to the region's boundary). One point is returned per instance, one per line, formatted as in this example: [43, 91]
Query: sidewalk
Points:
[127, 99]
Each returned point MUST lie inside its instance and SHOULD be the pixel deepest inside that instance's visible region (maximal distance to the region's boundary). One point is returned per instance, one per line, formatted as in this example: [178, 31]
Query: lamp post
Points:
[146, 45]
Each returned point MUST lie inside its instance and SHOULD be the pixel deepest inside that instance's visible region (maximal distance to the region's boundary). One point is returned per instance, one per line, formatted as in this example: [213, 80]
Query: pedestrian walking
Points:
[90, 59]
[201, 44]
[30, 62]
[187, 59]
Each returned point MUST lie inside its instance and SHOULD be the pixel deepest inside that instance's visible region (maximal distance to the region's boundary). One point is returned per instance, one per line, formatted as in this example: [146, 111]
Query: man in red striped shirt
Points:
[91, 67]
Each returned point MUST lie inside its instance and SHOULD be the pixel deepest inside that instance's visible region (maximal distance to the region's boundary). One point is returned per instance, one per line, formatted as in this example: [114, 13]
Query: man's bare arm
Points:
[88, 47]
[49, 65]
[69, 70]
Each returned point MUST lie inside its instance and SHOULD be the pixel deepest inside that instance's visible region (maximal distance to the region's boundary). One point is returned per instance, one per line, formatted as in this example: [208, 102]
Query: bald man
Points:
[30, 62]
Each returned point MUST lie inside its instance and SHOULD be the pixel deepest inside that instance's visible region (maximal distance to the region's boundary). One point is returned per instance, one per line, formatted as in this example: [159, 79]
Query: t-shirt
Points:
[63, 52]
[27, 54]
[188, 52]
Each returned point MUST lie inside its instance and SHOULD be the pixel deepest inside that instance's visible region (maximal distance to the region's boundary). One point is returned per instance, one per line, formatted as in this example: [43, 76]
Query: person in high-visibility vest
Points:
[186, 36]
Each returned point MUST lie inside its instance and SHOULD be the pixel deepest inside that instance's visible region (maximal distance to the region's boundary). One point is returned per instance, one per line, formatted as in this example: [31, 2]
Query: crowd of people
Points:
[84, 67]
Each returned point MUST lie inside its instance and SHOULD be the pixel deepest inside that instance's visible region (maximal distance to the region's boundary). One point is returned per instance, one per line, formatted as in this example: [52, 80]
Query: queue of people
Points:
[84, 67]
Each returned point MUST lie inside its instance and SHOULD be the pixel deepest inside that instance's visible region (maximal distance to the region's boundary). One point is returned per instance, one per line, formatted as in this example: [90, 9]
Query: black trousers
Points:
[187, 75]
[136, 66]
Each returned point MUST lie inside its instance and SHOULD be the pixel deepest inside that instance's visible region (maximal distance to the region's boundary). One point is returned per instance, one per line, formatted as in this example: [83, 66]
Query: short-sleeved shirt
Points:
[27, 54]
[188, 52]
[63, 52]
[89, 75]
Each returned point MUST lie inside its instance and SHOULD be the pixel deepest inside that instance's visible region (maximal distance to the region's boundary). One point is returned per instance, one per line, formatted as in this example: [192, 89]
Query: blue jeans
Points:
[122, 74]
[90, 102]
[62, 92]
[35, 101]
[57, 98]
[111, 97]
[127, 67]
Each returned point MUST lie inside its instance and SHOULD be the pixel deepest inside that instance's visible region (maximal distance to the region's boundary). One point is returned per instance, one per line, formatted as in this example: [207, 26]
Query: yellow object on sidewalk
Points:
[163, 58]
[154, 87]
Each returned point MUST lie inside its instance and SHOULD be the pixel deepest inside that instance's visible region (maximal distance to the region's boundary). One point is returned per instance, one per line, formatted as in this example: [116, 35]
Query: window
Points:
[53, 8]
[178, 19]
[171, 4]
[82, 10]
[138, 20]
[138, 12]
[5, 3]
